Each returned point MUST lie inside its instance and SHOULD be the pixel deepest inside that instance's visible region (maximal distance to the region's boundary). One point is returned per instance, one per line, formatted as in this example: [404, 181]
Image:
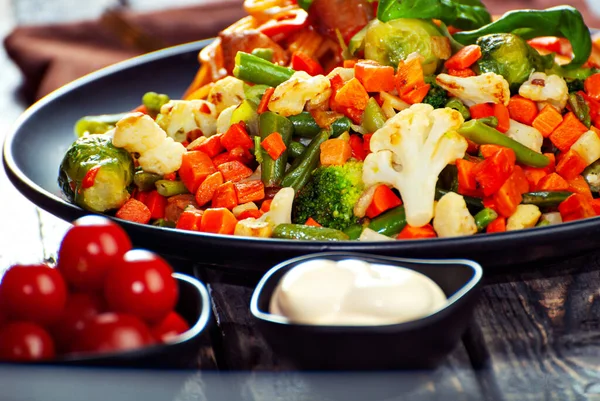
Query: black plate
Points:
[35, 147]
[418, 344]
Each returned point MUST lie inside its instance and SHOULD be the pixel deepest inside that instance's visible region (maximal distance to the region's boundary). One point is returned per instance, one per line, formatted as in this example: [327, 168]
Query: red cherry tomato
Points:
[88, 249]
[140, 283]
[24, 341]
[34, 293]
[171, 326]
[113, 332]
[81, 308]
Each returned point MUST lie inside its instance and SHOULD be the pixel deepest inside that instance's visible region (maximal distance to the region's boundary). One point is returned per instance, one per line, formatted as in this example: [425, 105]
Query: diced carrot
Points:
[383, 199]
[274, 145]
[156, 204]
[141, 109]
[592, 86]
[218, 221]
[358, 147]
[206, 190]
[250, 214]
[352, 95]
[494, 171]
[195, 167]
[463, 73]
[520, 179]
[264, 101]
[596, 205]
[497, 110]
[568, 132]
[250, 191]
[508, 197]
[467, 184]
[580, 186]
[170, 176]
[234, 171]
[312, 222]
[236, 136]
[350, 63]
[576, 207]
[303, 62]
[552, 182]
[190, 219]
[522, 109]
[488, 150]
[335, 152]
[410, 81]
[547, 120]
[464, 58]
[225, 196]
[410, 232]
[142, 196]
[240, 154]
[534, 175]
[135, 211]
[497, 226]
[266, 205]
[211, 146]
[367, 142]
[571, 164]
[482, 110]
[336, 82]
[222, 158]
[490, 203]
[374, 77]
[551, 167]
[416, 95]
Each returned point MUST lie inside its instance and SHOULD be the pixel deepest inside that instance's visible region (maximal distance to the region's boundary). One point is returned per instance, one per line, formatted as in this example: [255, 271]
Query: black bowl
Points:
[417, 344]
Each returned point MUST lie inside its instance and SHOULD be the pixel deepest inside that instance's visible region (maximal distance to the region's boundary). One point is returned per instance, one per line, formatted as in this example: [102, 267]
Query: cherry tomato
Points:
[24, 341]
[34, 293]
[81, 308]
[88, 249]
[171, 326]
[113, 332]
[140, 283]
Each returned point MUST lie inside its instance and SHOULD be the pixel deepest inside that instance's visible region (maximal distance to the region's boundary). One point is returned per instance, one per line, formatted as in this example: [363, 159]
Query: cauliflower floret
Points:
[345, 73]
[180, 117]
[137, 132]
[488, 87]
[588, 147]
[369, 235]
[291, 96]
[163, 159]
[227, 92]
[452, 218]
[410, 151]
[525, 135]
[253, 228]
[526, 216]
[280, 211]
[224, 120]
[544, 88]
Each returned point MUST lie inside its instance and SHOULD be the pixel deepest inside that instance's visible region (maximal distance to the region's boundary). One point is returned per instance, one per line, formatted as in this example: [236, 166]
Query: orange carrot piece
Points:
[206, 190]
[303, 62]
[383, 199]
[503, 116]
[464, 58]
[534, 175]
[374, 77]
[135, 211]
[576, 207]
[497, 226]
[579, 185]
[250, 191]
[156, 203]
[467, 184]
[218, 221]
[522, 109]
[570, 165]
[225, 196]
[234, 171]
[568, 132]
[490, 203]
[416, 95]
[266, 205]
[508, 197]
[195, 167]
[222, 158]
[250, 214]
[464, 73]
[482, 110]
[170, 176]
[274, 145]
[596, 205]
[547, 120]
[552, 182]
[520, 180]
[410, 232]
[410, 81]
[312, 222]
[240, 154]
[236, 136]
[212, 146]
[551, 167]
[488, 150]
[264, 101]
[592, 86]
[352, 95]
[494, 171]
[350, 63]
[335, 152]
[190, 219]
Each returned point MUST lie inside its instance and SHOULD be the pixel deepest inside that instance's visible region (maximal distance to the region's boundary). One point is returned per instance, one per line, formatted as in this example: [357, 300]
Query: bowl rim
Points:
[468, 287]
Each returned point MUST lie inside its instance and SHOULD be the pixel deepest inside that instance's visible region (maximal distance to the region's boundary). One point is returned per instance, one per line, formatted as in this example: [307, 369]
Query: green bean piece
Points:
[299, 174]
[264, 53]
[169, 188]
[490, 121]
[272, 171]
[482, 134]
[373, 118]
[474, 204]
[339, 126]
[254, 69]
[456, 104]
[254, 93]
[354, 231]
[389, 223]
[581, 109]
[308, 233]
[543, 223]
[154, 101]
[545, 198]
[164, 223]
[484, 218]
[145, 181]
[305, 125]
[257, 149]
[97, 124]
[296, 149]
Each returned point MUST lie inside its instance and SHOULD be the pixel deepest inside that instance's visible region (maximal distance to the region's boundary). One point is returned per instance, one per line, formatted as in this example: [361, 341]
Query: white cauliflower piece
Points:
[452, 217]
[370, 235]
[137, 132]
[410, 151]
[488, 87]
[180, 117]
[526, 216]
[588, 147]
[544, 88]
[552, 218]
[163, 159]
[224, 120]
[253, 228]
[345, 73]
[525, 135]
[280, 211]
[227, 92]
[292, 95]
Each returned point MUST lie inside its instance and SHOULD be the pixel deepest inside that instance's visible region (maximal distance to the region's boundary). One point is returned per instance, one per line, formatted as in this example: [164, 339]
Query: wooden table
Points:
[535, 334]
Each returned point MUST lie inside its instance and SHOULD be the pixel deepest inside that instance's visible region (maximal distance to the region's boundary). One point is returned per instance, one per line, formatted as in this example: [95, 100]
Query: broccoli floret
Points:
[574, 85]
[437, 96]
[330, 196]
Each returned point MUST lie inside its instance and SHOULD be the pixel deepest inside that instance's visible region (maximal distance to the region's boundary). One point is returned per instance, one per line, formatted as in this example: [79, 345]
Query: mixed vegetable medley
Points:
[357, 119]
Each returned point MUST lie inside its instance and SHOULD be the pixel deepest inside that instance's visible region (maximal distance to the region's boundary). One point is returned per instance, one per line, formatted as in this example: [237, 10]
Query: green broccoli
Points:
[437, 96]
[330, 196]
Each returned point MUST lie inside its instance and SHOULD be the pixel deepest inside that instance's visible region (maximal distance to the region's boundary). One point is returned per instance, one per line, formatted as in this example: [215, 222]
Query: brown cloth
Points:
[50, 56]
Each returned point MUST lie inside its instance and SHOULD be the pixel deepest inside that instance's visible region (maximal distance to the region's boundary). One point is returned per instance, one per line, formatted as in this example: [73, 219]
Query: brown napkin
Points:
[50, 56]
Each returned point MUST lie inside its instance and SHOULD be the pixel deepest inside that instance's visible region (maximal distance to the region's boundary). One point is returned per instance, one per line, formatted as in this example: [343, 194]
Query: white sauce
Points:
[353, 292]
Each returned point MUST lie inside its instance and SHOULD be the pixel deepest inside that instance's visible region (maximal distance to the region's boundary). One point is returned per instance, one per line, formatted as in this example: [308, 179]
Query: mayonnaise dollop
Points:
[354, 292]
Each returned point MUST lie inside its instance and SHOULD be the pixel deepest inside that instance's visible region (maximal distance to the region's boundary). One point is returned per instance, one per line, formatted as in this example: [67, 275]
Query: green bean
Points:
[484, 218]
[389, 223]
[145, 181]
[373, 118]
[97, 124]
[482, 134]
[545, 198]
[299, 174]
[254, 69]
[273, 170]
[308, 233]
[354, 231]
[543, 223]
[164, 223]
[459, 106]
[581, 109]
[296, 149]
[490, 121]
[170, 188]
[264, 53]
[339, 126]
[305, 125]
[154, 101]
[258, 150]
[472, 203]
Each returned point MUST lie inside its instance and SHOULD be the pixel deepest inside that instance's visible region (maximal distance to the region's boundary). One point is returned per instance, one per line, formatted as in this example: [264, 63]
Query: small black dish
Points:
[419, 344]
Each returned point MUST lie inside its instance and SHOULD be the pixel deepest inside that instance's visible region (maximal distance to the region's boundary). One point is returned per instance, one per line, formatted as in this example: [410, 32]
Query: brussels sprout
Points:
[510, 56]
[95, 175]
[390, 42]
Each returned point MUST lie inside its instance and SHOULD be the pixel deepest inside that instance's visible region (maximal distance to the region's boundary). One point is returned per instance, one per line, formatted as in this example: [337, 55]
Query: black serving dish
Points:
[417, 344]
